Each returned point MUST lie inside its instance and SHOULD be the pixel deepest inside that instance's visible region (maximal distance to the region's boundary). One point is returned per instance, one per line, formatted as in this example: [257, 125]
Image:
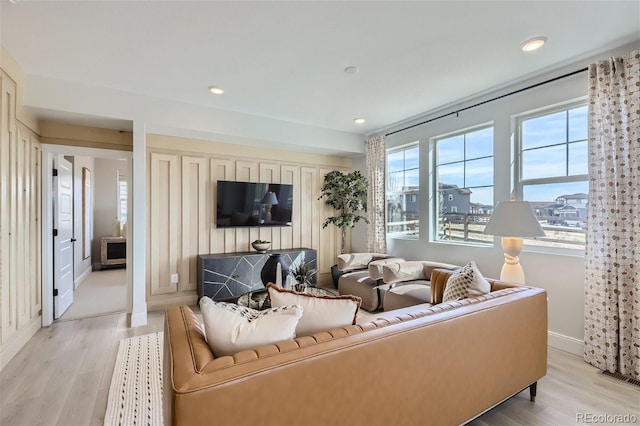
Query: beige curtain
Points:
[376, 161]
[612, 287]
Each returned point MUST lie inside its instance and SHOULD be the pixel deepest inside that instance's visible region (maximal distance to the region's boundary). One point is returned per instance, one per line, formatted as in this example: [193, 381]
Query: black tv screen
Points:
[253, 204]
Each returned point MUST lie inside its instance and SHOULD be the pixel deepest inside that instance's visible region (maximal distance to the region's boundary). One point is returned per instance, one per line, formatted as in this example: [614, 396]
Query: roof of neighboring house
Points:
[576, 196]
[445, 186]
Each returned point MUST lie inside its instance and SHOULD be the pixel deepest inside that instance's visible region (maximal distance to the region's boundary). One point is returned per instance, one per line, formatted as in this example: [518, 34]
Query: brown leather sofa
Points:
[443, 365]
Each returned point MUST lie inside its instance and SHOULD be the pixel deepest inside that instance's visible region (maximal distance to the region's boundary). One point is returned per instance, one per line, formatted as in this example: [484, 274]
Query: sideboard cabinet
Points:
[227, 276]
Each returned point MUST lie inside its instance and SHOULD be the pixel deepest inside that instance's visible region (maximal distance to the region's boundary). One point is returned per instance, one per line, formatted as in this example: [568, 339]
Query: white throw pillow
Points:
[320, 313]
[465, 282]
[230, 328]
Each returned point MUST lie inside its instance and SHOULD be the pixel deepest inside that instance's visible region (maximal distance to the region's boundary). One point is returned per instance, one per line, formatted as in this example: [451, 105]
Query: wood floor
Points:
[102, 292]
[62, 377]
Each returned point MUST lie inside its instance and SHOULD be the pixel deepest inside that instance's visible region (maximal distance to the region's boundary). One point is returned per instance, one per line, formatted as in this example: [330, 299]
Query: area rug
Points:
[135, 394]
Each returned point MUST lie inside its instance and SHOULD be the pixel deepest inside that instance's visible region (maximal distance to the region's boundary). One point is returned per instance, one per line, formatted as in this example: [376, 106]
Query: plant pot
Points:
[300, 287]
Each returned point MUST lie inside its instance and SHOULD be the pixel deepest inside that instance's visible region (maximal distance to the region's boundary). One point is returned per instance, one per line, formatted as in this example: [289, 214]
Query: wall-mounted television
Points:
[253, 204]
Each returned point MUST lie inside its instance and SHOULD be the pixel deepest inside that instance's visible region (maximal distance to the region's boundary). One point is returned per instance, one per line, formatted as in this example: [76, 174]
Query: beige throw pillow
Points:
[230, 328]
[465, 282]
[320, 313]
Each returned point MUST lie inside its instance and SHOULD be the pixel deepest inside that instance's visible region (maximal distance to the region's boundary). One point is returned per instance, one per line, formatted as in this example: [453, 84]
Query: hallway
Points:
[103, 292]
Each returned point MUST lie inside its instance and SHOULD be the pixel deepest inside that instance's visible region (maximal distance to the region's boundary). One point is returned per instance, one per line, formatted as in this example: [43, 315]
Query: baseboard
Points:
[162, 304]
[566, 343]
[81, 278]
[324, 279]
[13, 347]
[137, 320]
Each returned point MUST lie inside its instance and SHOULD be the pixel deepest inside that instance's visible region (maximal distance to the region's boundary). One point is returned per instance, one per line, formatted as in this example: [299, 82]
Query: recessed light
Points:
[359, 120]
[216, 90]
[533, 44]
[351, 70]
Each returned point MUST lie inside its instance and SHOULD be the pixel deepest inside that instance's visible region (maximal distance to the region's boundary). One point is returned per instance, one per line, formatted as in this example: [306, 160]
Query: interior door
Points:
[62, 242]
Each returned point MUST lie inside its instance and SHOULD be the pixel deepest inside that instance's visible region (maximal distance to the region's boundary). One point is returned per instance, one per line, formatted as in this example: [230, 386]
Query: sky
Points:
[554, 145]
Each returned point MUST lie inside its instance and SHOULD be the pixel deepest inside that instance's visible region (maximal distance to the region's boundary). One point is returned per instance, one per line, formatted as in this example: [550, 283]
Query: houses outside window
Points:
[464, 185]
[402, 190]
[553, 160]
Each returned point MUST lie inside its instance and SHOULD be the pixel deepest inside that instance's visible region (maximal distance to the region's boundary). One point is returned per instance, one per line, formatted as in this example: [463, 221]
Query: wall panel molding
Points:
[195, 226]
[20, 233]
[220, 239]
[184, 184]
[8, 262]
[163, 238]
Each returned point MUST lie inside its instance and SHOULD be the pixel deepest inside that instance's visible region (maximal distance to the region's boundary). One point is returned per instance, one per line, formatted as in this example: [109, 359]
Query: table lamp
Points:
[269, 199]
[513, 220]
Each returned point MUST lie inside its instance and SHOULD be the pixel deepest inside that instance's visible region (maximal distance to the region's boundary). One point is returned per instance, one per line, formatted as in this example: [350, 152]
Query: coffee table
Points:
[260, 299]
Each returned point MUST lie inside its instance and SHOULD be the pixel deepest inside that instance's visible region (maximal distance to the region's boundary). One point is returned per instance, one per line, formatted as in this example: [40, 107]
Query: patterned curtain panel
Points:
[612, 287]
[376, 161]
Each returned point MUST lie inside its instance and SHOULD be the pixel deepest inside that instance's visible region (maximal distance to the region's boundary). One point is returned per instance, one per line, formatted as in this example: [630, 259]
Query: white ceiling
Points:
[285, 60]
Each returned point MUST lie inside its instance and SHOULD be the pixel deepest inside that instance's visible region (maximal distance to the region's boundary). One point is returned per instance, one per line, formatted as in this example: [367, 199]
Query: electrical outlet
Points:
[175, 278]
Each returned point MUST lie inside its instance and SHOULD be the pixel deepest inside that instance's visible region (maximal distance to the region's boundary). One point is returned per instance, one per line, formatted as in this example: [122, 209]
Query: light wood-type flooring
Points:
[103, 292]
[62, 377]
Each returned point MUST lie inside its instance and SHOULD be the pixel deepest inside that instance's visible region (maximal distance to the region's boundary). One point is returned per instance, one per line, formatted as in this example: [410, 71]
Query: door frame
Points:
[48, 152]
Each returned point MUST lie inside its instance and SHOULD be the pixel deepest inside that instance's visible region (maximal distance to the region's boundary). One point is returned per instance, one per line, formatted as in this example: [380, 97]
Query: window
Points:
[464, 184]
[553, 161]
[402, 192]
[122, 197]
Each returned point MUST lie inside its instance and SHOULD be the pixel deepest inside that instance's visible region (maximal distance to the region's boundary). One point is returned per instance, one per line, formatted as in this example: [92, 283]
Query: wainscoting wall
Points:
[20, 232]
[182, 176]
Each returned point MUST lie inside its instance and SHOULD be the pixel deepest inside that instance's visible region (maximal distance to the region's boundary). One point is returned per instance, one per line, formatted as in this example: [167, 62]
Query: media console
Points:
[226, 276]
[113, 251]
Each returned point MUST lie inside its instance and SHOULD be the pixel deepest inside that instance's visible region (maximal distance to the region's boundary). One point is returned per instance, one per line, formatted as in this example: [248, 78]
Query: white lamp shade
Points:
[269, 198]
[513, 219]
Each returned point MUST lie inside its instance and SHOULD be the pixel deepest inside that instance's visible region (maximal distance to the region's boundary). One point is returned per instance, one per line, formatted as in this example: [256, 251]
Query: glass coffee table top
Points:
[260, 299]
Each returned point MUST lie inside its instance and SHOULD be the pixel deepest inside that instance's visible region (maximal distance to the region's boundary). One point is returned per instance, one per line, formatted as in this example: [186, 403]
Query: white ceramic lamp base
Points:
[511, 270]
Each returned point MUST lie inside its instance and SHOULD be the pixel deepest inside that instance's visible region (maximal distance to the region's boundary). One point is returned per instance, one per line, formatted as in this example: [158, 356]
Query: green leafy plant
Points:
[346, 193]
[302, 272]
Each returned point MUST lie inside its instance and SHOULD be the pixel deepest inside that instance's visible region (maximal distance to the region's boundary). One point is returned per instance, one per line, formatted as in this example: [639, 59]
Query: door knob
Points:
[73, 240]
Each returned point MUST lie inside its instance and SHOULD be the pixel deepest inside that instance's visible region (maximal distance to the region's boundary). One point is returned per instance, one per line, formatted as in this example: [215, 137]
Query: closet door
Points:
[23, 228]
[7, 209]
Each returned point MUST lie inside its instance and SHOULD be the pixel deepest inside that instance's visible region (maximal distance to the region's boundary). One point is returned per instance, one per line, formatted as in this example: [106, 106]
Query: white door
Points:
[62, 242]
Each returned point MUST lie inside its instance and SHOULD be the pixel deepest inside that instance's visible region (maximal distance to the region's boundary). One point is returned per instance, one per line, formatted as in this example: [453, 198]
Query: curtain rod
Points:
[456, 112]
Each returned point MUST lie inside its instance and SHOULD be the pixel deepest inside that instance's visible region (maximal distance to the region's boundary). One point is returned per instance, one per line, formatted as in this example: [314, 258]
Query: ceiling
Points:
[286, 60]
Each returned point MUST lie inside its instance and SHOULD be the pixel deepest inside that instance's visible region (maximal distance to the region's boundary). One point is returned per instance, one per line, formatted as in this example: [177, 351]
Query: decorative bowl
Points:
[261, 247]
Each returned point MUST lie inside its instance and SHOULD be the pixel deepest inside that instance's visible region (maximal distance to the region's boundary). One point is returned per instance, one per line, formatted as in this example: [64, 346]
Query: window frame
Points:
[396, 149]
[122, 206]
[434, 186]
[520, 183]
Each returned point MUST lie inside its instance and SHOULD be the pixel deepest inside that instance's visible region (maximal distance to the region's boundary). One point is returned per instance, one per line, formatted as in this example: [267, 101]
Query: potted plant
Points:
[346, 193]
[302, 273]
